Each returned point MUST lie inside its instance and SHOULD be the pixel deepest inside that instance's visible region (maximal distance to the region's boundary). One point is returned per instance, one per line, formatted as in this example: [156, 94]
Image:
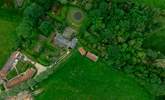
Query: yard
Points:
[8, 23]
[82, 79]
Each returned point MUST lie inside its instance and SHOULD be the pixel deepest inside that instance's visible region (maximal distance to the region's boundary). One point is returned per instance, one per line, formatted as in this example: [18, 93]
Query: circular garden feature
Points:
[75, 17]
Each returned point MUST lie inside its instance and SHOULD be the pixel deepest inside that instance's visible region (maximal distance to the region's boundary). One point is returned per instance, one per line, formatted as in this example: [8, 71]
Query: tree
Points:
[9, 3]
[46, 28]
[25, 28]
[46, 4]
[63, 1]
[33, 12]
[1, 2]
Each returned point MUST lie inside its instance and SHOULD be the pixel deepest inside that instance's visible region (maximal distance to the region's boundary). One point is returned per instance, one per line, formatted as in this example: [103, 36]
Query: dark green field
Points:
[82, 79]
[8, 23]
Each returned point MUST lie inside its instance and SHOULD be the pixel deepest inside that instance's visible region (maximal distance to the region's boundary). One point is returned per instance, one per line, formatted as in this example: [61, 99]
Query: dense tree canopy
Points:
[46, 28]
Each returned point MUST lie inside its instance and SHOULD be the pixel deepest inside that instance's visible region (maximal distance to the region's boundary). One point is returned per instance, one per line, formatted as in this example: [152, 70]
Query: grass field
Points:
[82, 79]
[8, 23]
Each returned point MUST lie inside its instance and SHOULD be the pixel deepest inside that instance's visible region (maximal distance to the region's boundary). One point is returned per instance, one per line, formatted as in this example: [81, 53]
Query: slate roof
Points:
[63, 42]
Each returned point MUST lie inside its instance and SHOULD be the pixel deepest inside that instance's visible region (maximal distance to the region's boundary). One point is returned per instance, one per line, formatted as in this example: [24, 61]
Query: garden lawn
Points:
[82, 79]
[7, 34]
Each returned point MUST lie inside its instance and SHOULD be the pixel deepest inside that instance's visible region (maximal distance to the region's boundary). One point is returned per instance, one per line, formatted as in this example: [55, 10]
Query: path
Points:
[41, 68]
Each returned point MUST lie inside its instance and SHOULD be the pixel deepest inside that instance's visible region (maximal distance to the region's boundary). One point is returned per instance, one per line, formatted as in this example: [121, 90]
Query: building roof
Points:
[73, 43]
[21, 78]
[63, 42]
[9, 64]
[92, 56]
[25, 95]
[68, 33]
[82, 51]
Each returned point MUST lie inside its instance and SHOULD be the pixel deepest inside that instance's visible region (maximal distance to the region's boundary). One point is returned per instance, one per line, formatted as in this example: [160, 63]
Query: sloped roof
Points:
[92, 56]
[82, 51]
[21, 78]
[63, 42]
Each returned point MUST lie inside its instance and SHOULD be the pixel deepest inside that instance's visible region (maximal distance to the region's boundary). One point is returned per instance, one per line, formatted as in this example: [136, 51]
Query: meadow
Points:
[8, 23]
[81, 79]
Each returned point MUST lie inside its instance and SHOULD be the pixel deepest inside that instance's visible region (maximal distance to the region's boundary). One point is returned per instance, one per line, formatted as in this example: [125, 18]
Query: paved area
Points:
[41, 68]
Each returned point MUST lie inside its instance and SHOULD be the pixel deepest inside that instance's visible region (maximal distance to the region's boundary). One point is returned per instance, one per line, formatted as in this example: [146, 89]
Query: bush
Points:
[46, 28]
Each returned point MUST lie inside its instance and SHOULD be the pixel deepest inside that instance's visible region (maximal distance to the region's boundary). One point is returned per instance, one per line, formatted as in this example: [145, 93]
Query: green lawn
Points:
[7, 34]
[82, 79]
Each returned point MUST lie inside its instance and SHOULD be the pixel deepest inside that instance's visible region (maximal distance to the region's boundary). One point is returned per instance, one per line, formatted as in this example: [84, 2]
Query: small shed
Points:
[82, 51]
[92, 56]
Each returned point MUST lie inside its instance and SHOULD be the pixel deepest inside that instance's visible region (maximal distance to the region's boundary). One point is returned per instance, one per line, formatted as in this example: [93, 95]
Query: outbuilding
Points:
[92, 56]
[82, 51]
